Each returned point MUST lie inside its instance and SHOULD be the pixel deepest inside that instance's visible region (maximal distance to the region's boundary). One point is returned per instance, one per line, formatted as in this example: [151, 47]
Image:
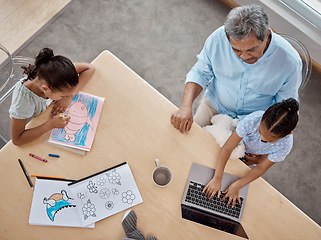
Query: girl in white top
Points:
[50, 78]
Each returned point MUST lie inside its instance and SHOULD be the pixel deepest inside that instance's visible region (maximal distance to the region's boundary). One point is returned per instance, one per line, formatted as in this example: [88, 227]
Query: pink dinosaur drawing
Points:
[78, 118]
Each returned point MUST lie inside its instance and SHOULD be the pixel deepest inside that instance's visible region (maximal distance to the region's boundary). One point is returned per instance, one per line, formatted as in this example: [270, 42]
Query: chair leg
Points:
[7, 94]
[2, 138]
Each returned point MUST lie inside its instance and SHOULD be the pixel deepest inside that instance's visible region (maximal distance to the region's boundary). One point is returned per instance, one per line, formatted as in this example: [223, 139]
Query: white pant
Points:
[204, 113]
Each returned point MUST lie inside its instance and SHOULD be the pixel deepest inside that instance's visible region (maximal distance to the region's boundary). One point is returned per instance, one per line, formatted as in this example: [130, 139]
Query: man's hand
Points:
[182, 119]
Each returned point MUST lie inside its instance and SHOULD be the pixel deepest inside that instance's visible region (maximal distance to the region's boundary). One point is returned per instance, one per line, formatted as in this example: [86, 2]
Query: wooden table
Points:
[135, 127]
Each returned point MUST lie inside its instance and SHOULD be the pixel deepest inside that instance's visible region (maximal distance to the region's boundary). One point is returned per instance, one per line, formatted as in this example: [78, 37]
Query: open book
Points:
[78, 135]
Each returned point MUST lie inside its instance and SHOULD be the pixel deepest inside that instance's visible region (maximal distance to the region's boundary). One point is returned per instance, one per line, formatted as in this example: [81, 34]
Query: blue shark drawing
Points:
[56, 202]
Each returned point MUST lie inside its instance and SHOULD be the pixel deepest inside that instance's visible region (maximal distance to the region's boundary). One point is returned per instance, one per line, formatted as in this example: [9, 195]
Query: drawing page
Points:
[105, 194]
[54, 205]
[79, 133]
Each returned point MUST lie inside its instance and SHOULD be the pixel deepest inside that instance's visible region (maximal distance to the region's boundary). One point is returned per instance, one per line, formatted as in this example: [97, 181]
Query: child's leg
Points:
[129, 224]
[254, 158]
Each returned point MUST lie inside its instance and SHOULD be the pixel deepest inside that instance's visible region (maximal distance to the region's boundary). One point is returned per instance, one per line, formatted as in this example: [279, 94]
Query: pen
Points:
[53, 155]
[41, 176]
[36, 157]
[25, 172]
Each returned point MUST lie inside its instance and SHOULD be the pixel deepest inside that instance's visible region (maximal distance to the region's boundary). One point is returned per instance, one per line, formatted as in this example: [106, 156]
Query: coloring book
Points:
[54, 205]
[78, 135]
[105, 193]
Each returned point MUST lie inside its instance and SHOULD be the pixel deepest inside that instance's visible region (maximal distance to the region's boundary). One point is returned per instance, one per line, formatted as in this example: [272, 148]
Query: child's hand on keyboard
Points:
[232, 193]
[213, 187]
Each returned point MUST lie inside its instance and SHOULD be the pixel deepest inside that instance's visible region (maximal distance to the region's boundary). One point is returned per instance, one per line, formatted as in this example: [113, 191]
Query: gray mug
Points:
[162, 175]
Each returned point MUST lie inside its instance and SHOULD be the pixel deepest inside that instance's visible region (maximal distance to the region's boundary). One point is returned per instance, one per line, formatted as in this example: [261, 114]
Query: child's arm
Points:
[214, 186]
[232, 192]
[20, 135]
[85, 71]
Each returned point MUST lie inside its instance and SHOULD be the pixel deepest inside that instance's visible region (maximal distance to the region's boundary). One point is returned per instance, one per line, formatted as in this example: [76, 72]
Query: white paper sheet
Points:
[106, 193]
[54, 205]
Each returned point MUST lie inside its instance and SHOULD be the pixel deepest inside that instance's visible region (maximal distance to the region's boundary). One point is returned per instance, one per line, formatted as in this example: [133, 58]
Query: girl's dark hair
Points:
[58, 71]
[281, 118]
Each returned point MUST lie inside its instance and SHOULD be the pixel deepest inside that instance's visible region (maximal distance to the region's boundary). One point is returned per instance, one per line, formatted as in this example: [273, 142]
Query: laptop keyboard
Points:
[197, 197]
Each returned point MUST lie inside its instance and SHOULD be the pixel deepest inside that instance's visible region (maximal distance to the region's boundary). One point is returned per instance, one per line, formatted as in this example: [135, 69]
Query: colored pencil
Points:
[25, 172]
[41, 176]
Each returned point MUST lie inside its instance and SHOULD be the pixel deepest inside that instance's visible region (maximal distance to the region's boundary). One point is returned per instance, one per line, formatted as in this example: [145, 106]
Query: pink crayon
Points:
[36, 157]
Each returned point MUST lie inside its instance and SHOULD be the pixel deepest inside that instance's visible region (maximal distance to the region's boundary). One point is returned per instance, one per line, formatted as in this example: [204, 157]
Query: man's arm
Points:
[292, 77]
[196, 80]
[290, 88]
[183, 118]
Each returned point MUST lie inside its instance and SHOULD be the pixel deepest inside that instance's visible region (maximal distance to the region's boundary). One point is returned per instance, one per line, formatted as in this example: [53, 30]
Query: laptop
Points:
[197, 207]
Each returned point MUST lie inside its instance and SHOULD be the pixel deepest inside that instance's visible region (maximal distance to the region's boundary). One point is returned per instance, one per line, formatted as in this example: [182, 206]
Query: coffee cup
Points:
[162, 175]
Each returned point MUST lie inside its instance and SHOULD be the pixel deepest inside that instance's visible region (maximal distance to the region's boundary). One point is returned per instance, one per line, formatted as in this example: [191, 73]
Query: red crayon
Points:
[36, 157]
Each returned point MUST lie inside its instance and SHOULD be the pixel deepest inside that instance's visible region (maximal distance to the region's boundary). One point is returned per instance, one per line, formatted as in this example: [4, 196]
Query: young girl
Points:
[50, 78]
[268, 139]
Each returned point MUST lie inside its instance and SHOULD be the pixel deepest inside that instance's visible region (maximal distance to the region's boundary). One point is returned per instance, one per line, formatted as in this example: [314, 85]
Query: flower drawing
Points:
[89, 209]
[128, 197]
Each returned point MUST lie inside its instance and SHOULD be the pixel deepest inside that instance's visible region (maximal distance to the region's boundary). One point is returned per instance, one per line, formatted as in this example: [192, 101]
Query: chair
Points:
[305, 57]
[11, 73]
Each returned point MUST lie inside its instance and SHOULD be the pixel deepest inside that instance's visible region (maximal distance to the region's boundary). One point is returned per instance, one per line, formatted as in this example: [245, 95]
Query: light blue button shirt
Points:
[247, 129]
[236, 88]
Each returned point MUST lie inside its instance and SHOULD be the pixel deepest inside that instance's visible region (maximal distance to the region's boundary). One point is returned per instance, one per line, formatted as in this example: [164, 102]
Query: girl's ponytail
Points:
[292, 105]
[282, 117]
[44, 56]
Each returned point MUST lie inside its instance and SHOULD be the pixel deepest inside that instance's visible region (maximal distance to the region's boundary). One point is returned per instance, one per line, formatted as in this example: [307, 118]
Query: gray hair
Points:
[245, 20]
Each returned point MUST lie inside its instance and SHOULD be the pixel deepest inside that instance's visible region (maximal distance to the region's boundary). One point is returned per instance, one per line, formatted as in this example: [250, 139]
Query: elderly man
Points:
[243, 67]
